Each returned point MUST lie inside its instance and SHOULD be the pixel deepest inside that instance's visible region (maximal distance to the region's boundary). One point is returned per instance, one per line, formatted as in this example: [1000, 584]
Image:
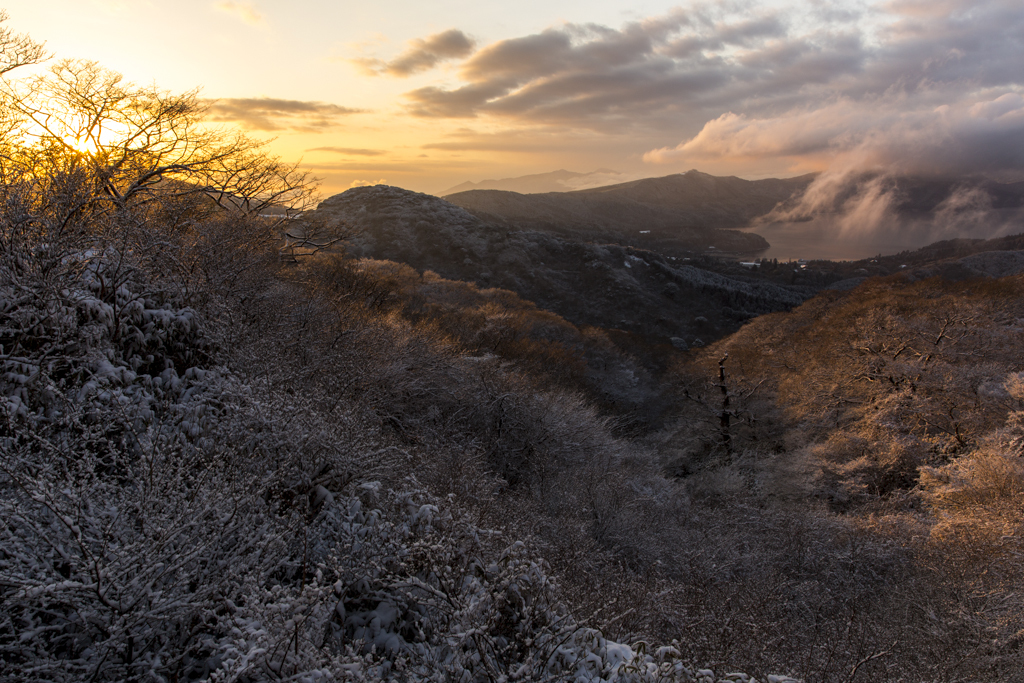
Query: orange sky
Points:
[426, 97]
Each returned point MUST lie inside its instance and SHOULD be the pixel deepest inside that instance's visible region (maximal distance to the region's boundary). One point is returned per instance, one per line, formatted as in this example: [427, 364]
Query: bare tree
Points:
[17, 50]
[103, 145]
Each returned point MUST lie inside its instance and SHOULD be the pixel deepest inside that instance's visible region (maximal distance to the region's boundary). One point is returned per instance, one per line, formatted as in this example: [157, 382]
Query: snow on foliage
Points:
[163, 519]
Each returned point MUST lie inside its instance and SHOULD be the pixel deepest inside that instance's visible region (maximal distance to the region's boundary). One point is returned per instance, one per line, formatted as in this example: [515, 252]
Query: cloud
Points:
[349, 151]
[911, 210]
[932, 90]
[269, 114]
[519, 141]
[869, 148]
[661, 72]
[978, 133]
[579, 73]
[368, 183]
[422, 54]
[497, 145]
[858, 91]
[243, 10]
[543, 146]
[678, 71]
[400, 167]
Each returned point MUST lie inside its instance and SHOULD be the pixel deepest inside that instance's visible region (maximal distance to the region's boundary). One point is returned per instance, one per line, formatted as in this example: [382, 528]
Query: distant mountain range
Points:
[555, 181]
[671, 205]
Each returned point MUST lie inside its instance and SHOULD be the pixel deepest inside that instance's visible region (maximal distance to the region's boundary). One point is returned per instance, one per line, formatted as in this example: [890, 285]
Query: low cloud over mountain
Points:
[904, 87]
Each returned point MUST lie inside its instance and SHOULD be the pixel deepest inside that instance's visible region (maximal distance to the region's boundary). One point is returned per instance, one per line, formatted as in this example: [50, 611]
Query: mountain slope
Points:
[677, 212]
[607, 285]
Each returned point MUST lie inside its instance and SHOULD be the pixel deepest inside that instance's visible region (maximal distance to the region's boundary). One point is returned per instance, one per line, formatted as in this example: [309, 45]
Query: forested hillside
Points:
[232, 451]
[895, 407]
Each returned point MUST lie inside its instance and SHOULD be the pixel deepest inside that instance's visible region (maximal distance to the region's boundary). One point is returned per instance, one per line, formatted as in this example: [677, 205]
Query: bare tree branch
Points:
[106, 146]
[17, 50]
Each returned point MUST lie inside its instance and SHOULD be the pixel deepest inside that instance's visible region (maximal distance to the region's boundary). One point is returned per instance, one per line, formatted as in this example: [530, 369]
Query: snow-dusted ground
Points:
[164, 517]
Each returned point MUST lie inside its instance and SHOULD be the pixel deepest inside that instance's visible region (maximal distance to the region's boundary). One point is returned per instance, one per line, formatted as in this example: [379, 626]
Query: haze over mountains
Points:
[555, 181]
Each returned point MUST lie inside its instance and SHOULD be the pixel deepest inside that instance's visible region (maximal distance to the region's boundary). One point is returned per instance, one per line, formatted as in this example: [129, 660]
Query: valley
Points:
[640, 258]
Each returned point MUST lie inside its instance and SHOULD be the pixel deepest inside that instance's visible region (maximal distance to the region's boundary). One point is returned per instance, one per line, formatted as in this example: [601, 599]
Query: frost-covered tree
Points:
[92, 144]
[190, 488]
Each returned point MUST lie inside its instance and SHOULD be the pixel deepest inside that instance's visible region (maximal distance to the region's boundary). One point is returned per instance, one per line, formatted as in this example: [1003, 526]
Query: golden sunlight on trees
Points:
[93, 167]
[115, 145]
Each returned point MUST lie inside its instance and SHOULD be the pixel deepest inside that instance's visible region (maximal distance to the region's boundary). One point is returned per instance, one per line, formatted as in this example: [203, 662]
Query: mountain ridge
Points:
[553, 181]
[673, 207]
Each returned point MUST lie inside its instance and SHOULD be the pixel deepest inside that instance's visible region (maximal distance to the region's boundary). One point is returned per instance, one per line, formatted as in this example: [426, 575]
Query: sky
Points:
[427, 95]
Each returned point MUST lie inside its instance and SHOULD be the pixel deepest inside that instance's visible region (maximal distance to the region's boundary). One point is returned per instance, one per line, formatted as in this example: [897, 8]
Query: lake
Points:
[822, 238]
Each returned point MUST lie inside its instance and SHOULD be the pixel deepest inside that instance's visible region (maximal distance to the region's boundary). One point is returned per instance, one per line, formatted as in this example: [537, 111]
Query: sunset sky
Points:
[426, 95]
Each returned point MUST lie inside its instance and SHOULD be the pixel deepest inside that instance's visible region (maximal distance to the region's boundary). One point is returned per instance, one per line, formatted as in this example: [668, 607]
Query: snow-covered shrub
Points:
[164, 517]
[173, 562]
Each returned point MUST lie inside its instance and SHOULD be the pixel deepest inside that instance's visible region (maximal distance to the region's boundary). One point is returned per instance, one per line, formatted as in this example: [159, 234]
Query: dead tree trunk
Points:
[725, 416]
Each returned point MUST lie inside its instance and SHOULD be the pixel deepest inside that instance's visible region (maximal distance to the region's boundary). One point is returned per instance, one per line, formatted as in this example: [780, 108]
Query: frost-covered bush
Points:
[165, 516]
[189, 560]
[979, 494]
